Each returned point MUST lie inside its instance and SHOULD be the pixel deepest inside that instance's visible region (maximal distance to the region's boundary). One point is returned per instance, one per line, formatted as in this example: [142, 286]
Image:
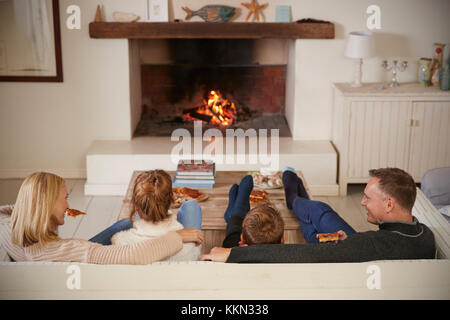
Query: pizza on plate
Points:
[267, 181]
[181, 195]
[327, 237]
[73, 212]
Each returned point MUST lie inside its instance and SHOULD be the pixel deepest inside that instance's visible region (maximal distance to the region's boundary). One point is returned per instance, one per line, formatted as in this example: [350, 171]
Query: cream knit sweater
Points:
[78, 250]
[143, 230]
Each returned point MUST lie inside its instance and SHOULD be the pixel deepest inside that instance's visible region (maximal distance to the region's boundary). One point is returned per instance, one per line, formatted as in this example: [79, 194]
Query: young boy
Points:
[260, 225]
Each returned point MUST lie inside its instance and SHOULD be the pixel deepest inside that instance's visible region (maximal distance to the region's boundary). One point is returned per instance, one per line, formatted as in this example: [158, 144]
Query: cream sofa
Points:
[399, 279]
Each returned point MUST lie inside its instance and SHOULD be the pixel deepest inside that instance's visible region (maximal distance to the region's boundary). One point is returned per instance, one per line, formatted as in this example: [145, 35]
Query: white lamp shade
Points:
[360, 45]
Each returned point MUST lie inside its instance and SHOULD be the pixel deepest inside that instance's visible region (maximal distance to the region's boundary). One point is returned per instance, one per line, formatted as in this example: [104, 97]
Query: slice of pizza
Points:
[191, 193]
[327, 237]
[73, 212]
[257, 196]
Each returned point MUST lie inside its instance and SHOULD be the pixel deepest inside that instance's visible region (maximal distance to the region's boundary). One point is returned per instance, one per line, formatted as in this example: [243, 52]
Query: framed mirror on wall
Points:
[30, 41]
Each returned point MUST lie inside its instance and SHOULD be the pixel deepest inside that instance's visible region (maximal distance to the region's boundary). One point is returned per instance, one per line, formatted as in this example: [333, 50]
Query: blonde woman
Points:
[40, 209]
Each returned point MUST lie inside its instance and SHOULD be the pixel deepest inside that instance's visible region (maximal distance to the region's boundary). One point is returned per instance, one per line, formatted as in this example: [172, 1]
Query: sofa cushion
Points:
[13, 251]
[435, 184]
[445, 212]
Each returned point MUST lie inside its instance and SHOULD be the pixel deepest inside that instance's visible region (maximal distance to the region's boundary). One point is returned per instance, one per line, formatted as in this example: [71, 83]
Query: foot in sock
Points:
[290, 182]
[242, 203]
[232, 194]
[301, 190]
[293, 188]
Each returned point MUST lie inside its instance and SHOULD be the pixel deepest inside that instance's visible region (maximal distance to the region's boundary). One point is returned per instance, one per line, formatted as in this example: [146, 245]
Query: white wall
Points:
[408, 30]
[49, 126]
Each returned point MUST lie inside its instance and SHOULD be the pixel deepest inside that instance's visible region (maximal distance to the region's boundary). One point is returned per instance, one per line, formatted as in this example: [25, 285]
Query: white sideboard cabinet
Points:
[406, 127]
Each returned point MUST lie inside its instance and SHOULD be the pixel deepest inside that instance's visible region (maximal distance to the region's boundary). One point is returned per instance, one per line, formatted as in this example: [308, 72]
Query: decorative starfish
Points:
[254, 8]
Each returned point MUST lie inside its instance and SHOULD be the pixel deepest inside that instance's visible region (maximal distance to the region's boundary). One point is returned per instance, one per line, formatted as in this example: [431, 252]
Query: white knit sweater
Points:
[144, 230]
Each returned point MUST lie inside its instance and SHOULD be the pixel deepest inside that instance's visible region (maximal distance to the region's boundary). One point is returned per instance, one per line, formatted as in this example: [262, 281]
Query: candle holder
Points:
[394, 67]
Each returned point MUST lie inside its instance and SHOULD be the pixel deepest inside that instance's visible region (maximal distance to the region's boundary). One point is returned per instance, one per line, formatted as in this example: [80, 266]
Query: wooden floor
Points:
[102, 211]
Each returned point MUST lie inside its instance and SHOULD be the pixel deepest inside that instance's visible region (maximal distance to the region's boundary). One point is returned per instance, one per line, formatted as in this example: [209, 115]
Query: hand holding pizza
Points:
[332, 237]
[342, 235]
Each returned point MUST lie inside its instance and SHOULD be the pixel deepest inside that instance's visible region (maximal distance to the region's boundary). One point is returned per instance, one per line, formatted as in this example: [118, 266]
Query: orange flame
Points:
[221, 110]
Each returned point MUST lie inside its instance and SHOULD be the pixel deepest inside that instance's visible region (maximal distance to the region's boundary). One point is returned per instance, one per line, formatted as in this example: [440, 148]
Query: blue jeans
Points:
[189, 215]
[318, 217]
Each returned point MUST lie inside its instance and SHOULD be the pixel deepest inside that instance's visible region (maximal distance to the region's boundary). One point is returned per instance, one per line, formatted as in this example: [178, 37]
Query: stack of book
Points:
[195, 174]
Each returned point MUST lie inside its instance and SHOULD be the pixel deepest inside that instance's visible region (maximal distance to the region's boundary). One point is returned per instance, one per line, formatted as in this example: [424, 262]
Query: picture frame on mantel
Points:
[158, 11]
[30, 41]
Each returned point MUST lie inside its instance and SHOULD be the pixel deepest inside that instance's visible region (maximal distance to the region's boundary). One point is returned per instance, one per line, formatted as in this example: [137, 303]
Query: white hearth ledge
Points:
[110, 163]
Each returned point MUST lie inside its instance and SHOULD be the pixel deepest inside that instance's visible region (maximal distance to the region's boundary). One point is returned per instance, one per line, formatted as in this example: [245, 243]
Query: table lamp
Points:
[360, 45]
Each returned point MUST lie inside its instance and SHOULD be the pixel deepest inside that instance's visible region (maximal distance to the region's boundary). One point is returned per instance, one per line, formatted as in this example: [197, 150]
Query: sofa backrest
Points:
[395, 279]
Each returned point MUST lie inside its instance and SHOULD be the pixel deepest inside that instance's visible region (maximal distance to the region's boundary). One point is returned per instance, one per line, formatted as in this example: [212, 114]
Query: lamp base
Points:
[358, 74]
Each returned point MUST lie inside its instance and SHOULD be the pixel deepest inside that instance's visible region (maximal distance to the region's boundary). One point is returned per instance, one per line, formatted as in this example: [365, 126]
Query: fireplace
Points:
[269, 48]
[218, 81]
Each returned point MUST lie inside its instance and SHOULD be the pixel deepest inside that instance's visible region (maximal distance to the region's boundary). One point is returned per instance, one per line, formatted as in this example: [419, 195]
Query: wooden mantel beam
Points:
[203, 30]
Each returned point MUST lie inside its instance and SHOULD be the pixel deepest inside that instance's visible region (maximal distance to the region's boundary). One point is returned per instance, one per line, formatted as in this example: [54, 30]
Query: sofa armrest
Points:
[427, 214]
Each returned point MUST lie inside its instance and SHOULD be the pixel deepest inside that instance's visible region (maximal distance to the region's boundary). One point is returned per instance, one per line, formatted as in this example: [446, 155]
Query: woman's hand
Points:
[217, 254]
[192, 235]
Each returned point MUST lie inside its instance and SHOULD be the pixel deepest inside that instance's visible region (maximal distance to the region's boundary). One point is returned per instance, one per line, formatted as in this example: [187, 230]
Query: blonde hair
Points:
[32, 214]
[152, 195]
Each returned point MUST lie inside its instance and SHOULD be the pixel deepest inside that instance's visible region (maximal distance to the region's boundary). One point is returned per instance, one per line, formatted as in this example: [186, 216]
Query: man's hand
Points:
[217, 254]
[342, 235]
[192, 235]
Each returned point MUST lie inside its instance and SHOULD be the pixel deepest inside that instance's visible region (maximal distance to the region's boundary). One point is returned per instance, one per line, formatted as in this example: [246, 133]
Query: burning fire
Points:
[215, 110]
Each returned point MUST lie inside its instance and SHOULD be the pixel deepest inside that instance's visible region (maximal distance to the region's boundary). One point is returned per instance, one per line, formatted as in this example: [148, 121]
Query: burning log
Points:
[215, 110]
[200, 116]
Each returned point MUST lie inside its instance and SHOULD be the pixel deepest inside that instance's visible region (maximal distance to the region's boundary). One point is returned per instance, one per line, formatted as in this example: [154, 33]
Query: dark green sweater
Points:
[394, 240]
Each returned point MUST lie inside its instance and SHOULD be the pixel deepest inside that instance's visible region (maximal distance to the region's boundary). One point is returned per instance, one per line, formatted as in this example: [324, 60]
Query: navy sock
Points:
[242, 203]
[232, 194]
[301, 191]
[293, 188]
[290, 182]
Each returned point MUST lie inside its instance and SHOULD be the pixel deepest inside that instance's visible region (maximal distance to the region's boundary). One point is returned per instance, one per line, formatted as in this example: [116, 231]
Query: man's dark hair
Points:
[398, 184]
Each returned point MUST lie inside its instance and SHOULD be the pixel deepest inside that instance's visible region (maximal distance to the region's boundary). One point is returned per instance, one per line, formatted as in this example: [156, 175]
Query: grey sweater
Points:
[393, 241]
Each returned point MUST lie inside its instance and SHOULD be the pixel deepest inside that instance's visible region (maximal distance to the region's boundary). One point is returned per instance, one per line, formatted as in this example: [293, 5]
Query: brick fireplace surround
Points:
[169, 90]
[110, 164]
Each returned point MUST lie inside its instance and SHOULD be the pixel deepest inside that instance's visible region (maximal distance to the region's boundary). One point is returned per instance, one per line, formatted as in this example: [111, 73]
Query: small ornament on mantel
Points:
[125, 17]
[99, 14]
[211, 13]
[254, 9]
